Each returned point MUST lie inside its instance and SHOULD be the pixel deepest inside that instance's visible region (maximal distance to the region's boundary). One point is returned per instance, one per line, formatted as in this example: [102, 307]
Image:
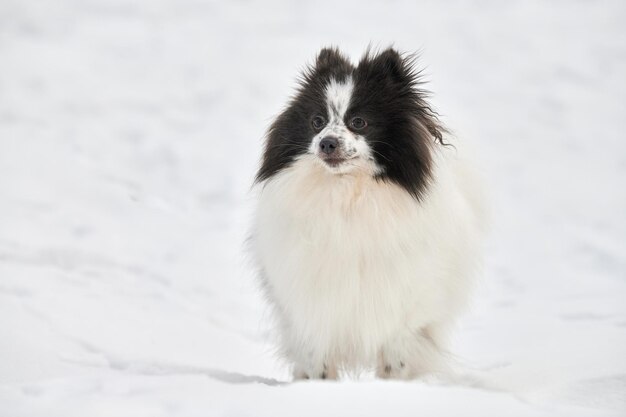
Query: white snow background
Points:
[130, 132]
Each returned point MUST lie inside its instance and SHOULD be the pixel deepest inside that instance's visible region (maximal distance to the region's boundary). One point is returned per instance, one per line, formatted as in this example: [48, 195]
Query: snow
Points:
[130, 133]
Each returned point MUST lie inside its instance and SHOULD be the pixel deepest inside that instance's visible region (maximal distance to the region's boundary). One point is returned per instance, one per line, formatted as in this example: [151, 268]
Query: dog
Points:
[370, 218]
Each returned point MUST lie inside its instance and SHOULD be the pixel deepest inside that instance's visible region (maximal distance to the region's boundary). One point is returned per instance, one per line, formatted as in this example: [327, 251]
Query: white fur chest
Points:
[349, 261]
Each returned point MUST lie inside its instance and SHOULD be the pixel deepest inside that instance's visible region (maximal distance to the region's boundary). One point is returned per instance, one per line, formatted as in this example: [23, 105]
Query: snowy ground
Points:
[129, 135]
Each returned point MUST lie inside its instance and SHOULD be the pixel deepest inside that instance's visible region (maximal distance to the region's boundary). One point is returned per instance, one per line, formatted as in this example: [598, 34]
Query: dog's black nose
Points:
[328, 145]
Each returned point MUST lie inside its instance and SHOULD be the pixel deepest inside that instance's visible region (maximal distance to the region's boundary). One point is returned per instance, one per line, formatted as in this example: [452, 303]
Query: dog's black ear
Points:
[330, 58]
[390, 64]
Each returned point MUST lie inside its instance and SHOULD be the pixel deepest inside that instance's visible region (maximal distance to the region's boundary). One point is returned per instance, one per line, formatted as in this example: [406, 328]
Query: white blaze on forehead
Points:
[338, 95]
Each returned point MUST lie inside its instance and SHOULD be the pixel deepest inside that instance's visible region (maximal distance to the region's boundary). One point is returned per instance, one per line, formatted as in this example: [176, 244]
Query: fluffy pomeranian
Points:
[369, 222]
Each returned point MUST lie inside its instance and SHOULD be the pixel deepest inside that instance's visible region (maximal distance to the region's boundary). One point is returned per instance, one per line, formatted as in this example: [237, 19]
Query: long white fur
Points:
[360, 273]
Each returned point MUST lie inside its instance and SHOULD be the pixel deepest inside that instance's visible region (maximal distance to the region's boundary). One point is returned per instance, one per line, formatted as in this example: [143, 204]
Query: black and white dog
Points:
[369, 223]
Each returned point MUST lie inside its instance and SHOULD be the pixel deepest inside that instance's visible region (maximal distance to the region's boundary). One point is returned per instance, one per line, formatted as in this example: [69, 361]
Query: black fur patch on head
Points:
[291, 133]
[401, 127]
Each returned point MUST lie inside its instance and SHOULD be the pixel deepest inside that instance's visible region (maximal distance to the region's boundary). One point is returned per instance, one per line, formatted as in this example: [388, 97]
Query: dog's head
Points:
[368, 119]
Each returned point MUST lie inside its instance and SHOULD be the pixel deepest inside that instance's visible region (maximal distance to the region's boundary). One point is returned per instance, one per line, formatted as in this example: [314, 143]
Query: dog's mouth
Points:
[334, 162]
[337, 159]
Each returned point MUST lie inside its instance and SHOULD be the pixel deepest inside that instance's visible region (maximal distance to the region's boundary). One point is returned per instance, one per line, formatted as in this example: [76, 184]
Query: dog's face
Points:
[339, 132]
[368, 119]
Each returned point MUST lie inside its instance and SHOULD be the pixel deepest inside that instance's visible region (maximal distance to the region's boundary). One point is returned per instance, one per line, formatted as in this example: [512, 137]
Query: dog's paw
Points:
[393, 370]
[315, 372]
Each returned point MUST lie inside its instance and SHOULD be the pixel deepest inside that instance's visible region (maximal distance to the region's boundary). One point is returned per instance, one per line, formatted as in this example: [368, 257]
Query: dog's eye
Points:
[318, 122]
[358, 123]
